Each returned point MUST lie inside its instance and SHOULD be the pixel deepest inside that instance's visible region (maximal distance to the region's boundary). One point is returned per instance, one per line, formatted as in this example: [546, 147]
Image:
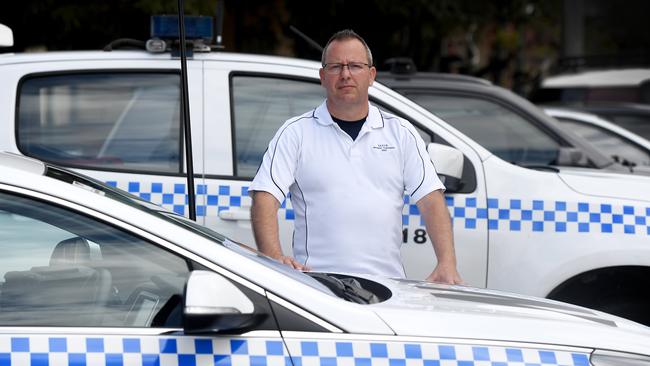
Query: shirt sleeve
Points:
[420, 176]
[277, 171]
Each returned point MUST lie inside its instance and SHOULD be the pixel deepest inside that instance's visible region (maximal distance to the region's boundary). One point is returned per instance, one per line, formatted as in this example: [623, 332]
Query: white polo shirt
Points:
[347, 195]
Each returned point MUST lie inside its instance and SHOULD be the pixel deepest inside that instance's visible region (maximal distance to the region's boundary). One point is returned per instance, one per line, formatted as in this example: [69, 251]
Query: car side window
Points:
[116, 121]
[261, 104]
[60, 268]
[500, 130]
[620, 149]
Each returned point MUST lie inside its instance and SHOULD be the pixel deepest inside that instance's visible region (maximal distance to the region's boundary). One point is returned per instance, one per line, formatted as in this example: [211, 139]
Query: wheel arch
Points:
[619, 290]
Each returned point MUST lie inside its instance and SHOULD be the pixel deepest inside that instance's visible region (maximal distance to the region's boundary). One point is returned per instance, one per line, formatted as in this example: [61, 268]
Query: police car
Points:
[549, 230]
[92, 276]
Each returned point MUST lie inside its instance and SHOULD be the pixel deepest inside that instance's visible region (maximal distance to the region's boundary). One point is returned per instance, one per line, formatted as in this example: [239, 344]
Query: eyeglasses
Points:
[336, 68]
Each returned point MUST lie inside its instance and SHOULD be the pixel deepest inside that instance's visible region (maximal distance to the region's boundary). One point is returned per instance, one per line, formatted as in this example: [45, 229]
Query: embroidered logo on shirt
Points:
[383, 147]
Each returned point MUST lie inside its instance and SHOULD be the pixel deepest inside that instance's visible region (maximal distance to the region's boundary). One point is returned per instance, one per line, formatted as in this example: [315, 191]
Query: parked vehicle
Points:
[93, 276]
[541, 218]
[506, 124]
[633, 117]
[622, 145]
[627, 85]
[621, 96]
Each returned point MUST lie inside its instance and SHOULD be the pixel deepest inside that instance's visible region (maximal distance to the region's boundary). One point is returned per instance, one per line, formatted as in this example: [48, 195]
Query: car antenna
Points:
[218, 24]
[306, 38]
[185, 109]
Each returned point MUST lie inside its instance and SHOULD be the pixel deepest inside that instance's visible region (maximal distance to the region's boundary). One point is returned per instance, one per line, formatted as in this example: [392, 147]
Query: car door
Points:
[467, 203]
[78, 290]
[117, 121]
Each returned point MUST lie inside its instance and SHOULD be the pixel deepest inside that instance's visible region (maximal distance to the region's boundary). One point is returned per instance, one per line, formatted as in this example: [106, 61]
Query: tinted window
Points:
[611, 144]
[261, 105]
[110, 121]
[59, 268]
[500, 130]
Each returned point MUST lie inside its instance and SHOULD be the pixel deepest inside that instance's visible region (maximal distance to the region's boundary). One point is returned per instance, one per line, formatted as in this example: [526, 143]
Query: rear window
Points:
[116, 121]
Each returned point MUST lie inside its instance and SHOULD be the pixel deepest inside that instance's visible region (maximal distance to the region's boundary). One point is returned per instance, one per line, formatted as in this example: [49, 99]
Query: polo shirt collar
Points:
[323, 116]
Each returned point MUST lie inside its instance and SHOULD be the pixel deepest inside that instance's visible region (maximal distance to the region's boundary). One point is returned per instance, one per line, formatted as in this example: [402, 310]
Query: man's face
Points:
[345, 87]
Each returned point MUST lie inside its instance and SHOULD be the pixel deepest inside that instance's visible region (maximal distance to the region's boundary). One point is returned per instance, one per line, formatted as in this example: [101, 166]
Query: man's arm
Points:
[433, 209]
[264, 216]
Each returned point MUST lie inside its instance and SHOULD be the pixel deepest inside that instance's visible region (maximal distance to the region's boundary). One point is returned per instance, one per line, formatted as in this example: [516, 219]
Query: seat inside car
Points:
[70, 251]
[69, 290]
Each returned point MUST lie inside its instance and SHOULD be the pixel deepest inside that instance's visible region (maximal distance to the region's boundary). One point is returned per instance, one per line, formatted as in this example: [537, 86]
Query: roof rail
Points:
[125, 43]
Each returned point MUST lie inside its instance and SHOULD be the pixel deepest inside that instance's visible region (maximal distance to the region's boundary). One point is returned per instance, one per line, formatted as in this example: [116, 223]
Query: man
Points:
[347, 165]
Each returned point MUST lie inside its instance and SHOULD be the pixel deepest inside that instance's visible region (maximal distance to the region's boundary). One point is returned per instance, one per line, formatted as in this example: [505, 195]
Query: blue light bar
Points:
[196, 27]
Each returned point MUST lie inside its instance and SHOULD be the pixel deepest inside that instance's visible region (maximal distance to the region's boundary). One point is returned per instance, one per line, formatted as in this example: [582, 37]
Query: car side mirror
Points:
[448, 162]
[214, 304]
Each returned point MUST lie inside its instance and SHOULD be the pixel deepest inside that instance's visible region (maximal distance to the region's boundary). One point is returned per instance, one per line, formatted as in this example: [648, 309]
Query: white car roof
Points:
[598, 78]
[10, 58]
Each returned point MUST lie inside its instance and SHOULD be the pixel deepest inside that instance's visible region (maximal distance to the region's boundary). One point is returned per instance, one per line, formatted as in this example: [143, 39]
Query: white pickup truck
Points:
[576, 234]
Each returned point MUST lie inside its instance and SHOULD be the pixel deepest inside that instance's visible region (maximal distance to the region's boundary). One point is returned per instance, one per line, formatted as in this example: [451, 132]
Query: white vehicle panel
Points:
[555, 238]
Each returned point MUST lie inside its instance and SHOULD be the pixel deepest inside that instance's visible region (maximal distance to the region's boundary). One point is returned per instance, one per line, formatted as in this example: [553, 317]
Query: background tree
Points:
[511, 42]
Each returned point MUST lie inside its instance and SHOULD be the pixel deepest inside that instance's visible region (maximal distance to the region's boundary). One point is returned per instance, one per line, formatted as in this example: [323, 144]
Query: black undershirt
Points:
[352, 128]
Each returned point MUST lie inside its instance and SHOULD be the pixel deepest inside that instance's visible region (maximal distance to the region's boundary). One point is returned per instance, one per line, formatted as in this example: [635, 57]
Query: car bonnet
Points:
[436, 310]
[609, 185]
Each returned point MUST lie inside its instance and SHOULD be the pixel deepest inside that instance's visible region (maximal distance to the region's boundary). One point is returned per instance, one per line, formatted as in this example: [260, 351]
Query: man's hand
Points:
[291, 262]
[445, 274]
[264, 216]
[436, 218]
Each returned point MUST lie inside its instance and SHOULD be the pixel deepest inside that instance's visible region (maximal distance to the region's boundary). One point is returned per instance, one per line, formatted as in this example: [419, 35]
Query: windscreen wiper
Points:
[545, 167]
[347, 288]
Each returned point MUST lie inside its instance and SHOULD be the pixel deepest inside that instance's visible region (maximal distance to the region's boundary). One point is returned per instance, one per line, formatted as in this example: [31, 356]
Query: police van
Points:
[577, 234]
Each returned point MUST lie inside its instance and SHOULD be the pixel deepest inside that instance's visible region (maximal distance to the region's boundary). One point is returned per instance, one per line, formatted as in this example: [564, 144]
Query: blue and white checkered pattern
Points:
[61, 350]
[550, 216]
[505, 214]
[368, 353]
[211, 199]
[140, 351]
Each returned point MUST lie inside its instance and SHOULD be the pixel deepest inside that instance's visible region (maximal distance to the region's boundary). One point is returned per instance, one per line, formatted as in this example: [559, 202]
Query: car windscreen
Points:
[248, 252]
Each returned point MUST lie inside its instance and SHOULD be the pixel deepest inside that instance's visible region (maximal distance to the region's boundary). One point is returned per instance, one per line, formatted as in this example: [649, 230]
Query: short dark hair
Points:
[345, 35]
